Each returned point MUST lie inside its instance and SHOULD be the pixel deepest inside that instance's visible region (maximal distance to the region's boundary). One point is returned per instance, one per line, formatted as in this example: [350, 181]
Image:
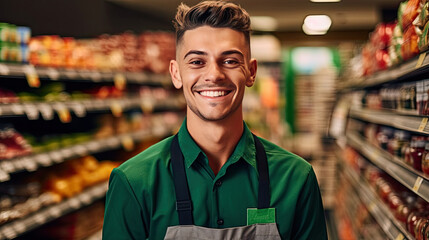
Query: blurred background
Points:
[85, 86]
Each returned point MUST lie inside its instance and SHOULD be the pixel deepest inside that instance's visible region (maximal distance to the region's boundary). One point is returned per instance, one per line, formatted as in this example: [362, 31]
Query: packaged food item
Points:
[7, 96]
[410, 12]
[417, 148]
[384, 136]
[409, 46]
[423, 38]
[400, 138]
[12, 144]
[23, 35]
[425, 159]
[395, 45]
[4, 51]
[4, 32]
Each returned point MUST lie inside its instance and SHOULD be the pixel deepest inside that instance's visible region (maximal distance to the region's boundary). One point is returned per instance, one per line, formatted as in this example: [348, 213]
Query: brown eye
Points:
[196, 62]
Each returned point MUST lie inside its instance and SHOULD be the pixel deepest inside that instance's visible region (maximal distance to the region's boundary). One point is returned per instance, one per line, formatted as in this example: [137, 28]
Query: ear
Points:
[175, 74]
[253, 66]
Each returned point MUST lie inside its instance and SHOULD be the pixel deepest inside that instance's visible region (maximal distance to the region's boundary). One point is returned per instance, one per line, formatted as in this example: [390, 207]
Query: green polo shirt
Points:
[140, 202]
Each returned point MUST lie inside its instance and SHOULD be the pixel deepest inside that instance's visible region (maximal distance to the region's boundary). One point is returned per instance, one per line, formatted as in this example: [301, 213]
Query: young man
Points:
[214, 180]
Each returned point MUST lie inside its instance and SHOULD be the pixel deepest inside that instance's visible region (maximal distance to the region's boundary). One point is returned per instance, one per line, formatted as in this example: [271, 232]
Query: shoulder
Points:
[147, 163]
[284, 163]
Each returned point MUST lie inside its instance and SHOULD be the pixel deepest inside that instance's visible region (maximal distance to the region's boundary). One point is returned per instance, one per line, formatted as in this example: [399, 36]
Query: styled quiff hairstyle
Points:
[217, 14]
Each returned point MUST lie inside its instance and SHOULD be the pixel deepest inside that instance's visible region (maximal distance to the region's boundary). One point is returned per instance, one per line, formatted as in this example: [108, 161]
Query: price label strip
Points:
[4, 176]
[421, 59]
[79, 109]
[63, 113]
[46, 111]
[120, 81]
[147, 105]
[417, 184]
[95, 76]
[116, 108]
[400, 237]
[31, 111]
[127, 143]
[29, 164]
[423, 125]
[53, 74]
[4, 69]
[32, 77]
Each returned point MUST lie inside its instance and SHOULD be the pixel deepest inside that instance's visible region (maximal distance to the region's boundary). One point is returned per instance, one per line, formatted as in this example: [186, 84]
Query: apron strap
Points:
[183, 199]
[264, 181]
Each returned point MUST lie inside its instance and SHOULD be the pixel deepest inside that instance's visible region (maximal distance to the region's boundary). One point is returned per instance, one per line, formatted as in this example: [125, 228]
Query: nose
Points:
[214, 73]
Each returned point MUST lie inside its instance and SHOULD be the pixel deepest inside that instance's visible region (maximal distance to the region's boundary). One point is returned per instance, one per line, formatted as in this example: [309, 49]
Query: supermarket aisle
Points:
[75, 104]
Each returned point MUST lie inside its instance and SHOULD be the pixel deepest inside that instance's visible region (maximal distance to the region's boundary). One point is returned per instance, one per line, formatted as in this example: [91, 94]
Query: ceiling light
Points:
[316, 24]
[325, 1]
[263, 23]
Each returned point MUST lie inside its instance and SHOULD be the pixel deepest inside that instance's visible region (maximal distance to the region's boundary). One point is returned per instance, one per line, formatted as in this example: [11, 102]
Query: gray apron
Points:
[187, 230]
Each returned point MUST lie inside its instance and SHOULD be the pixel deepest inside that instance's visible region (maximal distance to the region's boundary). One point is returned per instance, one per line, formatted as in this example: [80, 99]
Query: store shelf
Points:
[403, 71]
[18, 227]
[384, 217]
[416, 124]
[413, 180]
[47, 110]
[33, 162]
[23, 70]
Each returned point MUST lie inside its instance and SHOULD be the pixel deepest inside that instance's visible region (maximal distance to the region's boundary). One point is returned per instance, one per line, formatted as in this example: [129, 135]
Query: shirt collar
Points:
[245, 148]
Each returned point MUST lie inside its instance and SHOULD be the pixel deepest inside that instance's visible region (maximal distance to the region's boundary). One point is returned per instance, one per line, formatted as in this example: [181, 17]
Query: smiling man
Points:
[214, 179]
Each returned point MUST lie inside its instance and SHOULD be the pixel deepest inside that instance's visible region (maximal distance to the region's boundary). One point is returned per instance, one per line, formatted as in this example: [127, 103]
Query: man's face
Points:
[213, 66]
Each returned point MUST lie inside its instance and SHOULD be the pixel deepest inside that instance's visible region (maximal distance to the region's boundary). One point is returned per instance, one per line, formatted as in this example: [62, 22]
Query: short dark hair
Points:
[217, 14]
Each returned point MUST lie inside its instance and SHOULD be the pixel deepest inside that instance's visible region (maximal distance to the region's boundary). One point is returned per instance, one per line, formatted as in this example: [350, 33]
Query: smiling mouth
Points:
[214, 93]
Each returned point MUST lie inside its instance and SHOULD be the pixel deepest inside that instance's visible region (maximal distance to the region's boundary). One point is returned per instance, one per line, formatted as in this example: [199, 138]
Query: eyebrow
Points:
[202, 53]
[196, 52]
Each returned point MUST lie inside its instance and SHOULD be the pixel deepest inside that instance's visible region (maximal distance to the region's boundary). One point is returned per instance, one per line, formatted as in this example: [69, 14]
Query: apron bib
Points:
[187, 230]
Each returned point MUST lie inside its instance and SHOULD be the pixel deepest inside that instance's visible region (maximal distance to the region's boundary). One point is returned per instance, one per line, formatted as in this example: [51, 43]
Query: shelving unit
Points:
[410, 121]
[14, 229]
[378, 210]
[33, 162]
[416, 66]
[417, 124]
[47, 111]
[22, 71]
[410, 178]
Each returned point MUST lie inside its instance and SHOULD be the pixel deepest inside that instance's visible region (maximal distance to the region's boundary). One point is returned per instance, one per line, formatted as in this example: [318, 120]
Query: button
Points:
[218, 183]
[220, 222]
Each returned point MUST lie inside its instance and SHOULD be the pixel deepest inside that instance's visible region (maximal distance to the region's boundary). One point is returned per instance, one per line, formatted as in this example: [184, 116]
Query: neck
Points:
[217, 139]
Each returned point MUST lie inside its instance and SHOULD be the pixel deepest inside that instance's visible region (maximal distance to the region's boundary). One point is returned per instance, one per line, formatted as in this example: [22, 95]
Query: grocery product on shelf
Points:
[393, 43]
[14, 43]
[27, 195]
[149, 52]
[408, 147]
[406, 207]
[12, 143]
[77, 225]
[71, 177]
[8, 96]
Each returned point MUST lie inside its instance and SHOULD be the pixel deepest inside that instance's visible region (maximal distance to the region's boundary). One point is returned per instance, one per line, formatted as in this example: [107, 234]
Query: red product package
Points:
[382, 35]
[411, 11]
[12, 144]
[410, 48]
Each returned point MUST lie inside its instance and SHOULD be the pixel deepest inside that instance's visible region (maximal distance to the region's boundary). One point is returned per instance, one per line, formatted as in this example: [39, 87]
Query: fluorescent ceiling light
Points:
[263, 23]
[325, 1]
[316, 24]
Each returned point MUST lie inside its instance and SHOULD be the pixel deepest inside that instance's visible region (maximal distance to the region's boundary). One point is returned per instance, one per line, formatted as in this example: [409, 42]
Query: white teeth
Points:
[213, 93]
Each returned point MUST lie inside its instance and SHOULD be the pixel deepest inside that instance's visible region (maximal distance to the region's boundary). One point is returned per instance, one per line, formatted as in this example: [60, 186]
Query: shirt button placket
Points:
[218, 183]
